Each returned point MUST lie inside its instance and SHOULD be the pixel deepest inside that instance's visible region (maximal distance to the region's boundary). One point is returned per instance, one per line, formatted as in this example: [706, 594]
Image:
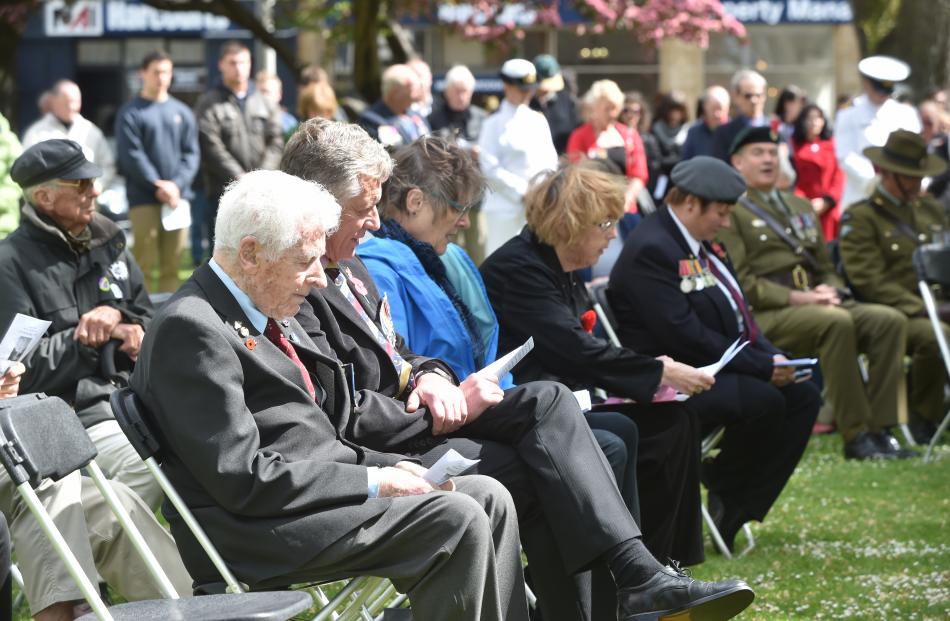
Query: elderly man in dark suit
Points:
[254, 425]
[675, 293]
[533, 438]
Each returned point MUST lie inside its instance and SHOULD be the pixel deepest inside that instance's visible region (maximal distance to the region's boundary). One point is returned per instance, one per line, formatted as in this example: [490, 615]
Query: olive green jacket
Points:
[878, 256]
[757, 252]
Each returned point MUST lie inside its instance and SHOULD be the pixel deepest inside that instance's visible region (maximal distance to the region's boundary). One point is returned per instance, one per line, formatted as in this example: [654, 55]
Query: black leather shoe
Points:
[890, 446]
[727, 522]
[671, 593]
[865, 446]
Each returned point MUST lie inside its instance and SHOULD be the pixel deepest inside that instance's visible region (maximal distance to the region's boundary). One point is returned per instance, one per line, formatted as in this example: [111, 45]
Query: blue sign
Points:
[774, 12]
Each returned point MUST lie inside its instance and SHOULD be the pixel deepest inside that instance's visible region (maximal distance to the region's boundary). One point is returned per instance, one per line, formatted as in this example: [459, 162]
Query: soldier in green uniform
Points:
[878, 238]
[804, 307]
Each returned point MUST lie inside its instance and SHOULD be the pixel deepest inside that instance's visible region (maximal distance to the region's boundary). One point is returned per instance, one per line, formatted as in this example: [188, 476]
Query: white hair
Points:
[747, 75]
[604, 89]
[336, 155]
[275, 208]
[397, 76]
[461, 75]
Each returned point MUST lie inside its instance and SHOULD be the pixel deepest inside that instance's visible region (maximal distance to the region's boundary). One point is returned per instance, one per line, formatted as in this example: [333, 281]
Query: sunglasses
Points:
[82, 185]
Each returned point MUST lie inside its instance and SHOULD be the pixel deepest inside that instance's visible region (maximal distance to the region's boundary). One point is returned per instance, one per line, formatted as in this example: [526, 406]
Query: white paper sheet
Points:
[21, 339]
[666, 393]
[449, 465]
[583, 399]
[177, 218]
[499, 368]
[797, 362]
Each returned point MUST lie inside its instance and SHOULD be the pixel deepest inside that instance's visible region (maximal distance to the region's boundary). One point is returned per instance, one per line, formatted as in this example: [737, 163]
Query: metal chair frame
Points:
[924, 281]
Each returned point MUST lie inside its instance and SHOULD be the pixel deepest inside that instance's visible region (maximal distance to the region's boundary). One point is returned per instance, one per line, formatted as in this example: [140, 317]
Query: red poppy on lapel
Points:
[359, 286]
[250, 343]
[720, 251]
[588, 321]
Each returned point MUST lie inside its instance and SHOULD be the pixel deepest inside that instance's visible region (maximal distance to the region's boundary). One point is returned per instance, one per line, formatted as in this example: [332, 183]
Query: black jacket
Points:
[533, 296]
[42, 276]
[656, 317]
[562, 116]
[329, 318]
[467, 123]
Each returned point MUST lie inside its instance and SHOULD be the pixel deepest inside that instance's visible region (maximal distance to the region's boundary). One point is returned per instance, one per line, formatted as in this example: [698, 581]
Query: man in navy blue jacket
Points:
[157, 143]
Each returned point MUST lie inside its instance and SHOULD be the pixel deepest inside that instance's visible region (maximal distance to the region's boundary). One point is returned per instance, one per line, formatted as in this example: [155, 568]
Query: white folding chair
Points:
[932, 263]
[41, 437]
[360, 598]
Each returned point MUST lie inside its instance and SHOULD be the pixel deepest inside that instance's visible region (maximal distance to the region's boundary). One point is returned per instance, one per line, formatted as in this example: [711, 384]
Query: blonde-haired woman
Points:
[604, 137]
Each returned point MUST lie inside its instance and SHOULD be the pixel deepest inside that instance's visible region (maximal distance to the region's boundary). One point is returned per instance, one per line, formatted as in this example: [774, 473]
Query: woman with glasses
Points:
[535, 292]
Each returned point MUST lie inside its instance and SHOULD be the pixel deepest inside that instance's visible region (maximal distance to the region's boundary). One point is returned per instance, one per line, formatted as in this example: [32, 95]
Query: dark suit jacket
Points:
[533, 296]
[724, 135]
[656, 318]
[264, 468]
[331, 317]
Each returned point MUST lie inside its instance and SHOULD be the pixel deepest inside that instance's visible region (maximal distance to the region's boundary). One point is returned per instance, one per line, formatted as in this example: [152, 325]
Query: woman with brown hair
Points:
[535, 292]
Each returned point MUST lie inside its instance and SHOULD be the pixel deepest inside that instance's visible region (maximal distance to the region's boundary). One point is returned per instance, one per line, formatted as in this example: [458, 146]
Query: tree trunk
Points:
[366, 67]
[916, 32]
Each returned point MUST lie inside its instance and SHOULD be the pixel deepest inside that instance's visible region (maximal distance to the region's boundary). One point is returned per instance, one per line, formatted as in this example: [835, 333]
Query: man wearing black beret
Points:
[674, 292]
[804, 307]
[67, 264]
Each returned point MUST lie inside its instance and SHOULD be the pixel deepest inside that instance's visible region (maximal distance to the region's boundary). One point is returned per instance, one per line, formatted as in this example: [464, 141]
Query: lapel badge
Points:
[758, 223]
[250, 343]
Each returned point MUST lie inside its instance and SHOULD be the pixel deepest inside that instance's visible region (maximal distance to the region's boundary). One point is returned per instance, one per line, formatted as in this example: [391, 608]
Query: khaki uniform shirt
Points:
[878, 255]
[767, 266]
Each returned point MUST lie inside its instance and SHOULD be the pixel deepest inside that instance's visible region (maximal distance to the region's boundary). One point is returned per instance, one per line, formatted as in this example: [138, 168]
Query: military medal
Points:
[700, 282]
[386, 320]
[686, 283]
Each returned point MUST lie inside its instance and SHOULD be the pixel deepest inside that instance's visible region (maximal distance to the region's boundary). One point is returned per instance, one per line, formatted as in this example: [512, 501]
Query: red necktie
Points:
[751, 331]
[275, 336]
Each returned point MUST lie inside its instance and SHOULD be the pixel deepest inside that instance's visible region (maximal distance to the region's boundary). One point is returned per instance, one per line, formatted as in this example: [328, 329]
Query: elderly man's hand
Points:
[131, 336]
[95, 327]
[405, 479]
[10, 381]
[445, 401]
[481, 392]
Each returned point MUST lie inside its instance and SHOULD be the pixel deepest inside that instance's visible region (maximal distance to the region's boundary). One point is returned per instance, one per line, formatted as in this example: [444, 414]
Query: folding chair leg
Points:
[908, 436]
[199, 534]
[154, 568]
[89, 591]
[937, 435]
[717, 538]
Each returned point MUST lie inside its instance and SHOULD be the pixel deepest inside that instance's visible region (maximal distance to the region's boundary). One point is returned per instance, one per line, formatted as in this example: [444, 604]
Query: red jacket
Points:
[583, 143]
[820, 177]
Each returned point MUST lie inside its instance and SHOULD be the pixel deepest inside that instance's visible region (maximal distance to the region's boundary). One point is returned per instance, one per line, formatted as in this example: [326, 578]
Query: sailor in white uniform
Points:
[869, 121]
[514, 146]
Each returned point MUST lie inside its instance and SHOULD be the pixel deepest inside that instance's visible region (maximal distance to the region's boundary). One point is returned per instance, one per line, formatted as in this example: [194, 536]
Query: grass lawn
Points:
[850, 540]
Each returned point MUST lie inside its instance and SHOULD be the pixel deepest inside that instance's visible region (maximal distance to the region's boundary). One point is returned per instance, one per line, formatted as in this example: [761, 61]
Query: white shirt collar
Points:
[693, 244]
[256, 317]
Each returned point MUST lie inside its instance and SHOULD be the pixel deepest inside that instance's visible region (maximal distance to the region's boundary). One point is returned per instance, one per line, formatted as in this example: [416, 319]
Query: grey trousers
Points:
[95, 538]
[455, 553]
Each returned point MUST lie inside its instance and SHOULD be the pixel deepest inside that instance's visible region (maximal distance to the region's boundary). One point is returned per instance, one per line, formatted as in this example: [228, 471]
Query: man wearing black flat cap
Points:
[878, 239]
[67, 264]
[674, 292]
[805, 308]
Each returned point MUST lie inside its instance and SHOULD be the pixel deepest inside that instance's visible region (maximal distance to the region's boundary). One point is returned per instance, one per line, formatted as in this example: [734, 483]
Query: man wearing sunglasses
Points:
[71, 266]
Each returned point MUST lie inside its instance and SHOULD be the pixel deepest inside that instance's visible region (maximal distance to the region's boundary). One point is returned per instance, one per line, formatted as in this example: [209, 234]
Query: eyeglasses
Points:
[751, 96]
[460, 208]
[82, 185]
[633, 111]
[607, 225]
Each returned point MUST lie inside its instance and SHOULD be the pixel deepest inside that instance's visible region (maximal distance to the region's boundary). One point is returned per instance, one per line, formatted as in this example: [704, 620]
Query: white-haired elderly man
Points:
[531, 438]
[453, 111]
[748, 95]
[392, 120]
[253, 414]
